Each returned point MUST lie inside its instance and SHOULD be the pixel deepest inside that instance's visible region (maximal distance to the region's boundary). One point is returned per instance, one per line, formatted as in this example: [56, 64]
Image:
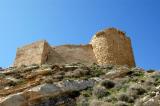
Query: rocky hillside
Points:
[79, 85]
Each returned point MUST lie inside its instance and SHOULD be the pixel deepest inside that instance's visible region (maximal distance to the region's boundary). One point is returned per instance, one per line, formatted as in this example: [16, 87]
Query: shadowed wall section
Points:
[77, 53]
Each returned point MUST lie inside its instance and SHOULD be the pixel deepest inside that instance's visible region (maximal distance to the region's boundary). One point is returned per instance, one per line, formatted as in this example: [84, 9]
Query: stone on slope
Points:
[13, 100]
[74, 85]
[118, 72]
[45, 89]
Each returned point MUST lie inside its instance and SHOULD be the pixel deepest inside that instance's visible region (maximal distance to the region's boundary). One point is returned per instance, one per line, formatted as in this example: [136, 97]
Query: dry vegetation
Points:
[113, 85]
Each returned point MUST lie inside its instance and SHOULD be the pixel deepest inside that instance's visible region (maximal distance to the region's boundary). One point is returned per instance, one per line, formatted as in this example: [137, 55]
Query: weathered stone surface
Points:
[68, 85]
[119, 72]
[74, 85]
[36, 85]
[35, 53]
[13, 100]
[46, 89]
[111, 46]
[150, 101]
[40, 53]
[76, 53]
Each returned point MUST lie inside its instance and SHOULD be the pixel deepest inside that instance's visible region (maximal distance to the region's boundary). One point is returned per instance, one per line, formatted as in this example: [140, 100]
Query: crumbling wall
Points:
[76, 53]
[55, 58]
[35, 53]
[41, 52]
[111, 46]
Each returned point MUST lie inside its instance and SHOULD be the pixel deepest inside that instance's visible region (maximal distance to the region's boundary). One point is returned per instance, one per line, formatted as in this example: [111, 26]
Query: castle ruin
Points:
[110, 46]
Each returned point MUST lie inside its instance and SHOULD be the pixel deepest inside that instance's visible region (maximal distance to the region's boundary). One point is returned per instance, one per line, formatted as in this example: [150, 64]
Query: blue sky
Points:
[76, 21]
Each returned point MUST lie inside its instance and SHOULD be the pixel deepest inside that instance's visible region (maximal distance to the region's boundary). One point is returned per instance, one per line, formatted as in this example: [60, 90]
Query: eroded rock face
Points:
[56, 93]
[45, 89]
[95, 85]
[150, 101]
[119, 72]
[13, 100]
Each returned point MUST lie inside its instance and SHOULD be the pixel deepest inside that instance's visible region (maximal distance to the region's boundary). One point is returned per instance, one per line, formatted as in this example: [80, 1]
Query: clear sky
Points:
[76, 21]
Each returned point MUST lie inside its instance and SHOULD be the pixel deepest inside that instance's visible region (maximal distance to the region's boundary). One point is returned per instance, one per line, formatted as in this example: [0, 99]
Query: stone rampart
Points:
[109, 46]
[35, 53]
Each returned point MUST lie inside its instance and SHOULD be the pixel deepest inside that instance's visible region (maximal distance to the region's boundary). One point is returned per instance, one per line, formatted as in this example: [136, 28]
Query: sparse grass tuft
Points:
[96, 70]
[2, 75]
[136, 90]
[87, 93]
[108, 84]
[100, 92]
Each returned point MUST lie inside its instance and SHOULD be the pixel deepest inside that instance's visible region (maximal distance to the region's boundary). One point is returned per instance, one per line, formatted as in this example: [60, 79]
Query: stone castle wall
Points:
[35, 53]
[110, 46]
[76, 53]
[41, 52]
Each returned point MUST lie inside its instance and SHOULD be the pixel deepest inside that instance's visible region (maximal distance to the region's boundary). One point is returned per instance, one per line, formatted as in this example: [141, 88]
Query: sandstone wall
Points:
[55, 58]
[35, 53]
[41, 52]
[111, 46]
[76, 53]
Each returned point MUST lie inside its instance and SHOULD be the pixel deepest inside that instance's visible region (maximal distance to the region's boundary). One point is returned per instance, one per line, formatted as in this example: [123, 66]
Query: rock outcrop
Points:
[79, 85]
[110, 46]
[102, 73]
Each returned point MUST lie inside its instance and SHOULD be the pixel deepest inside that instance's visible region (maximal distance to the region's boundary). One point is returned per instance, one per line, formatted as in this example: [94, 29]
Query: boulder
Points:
[75, 85]
[13, 100]
[45, 89]
[118, 72]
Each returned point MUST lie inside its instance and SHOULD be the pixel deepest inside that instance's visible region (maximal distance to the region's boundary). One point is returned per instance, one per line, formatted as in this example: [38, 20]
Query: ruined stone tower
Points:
[111, 46]
[35, 53]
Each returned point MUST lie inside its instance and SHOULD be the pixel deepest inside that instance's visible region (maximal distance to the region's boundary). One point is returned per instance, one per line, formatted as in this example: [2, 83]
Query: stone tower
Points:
[112, 46]
[35, 53]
